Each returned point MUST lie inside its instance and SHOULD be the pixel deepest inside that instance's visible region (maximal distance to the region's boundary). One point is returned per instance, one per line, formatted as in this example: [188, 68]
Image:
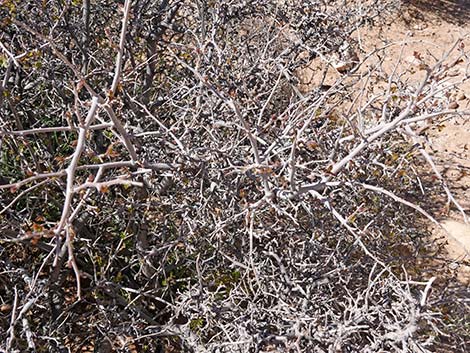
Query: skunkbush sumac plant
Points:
[169, 184]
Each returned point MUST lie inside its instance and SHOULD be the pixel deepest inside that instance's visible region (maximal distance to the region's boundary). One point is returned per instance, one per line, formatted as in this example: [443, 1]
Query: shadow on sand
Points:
[453, 11]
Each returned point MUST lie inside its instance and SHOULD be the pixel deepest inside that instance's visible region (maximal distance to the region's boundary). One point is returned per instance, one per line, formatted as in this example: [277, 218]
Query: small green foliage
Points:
[3, 61]
[99, 260]
[118, 278]
[197, 324]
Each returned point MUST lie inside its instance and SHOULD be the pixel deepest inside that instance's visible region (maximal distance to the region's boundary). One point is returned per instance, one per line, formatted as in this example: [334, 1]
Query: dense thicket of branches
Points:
[168, 184]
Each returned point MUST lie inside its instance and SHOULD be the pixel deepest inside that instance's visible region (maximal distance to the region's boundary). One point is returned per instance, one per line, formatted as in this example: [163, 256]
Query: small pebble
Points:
[5, 308]
[453, 105]
[461, 96]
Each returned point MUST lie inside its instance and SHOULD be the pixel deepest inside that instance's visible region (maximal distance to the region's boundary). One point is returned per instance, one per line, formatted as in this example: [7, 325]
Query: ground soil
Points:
[425, 30]
[436, 26]
[431, 28]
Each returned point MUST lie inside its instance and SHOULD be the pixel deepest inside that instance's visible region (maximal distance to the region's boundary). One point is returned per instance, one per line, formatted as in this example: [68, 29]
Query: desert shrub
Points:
[168, 186]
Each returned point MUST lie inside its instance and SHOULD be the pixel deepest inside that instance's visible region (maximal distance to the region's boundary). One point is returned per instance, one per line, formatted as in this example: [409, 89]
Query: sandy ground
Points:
[431, 28]
[428, 28]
